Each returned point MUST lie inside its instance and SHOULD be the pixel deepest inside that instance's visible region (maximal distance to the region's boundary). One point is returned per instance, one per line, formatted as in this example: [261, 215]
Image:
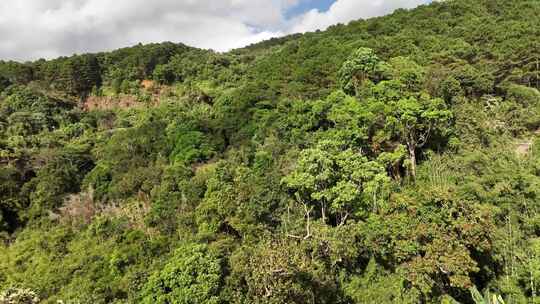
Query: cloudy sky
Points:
[31, 29]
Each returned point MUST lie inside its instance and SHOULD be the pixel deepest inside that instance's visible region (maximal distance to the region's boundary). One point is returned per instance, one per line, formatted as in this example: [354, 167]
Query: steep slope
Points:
[374, 162]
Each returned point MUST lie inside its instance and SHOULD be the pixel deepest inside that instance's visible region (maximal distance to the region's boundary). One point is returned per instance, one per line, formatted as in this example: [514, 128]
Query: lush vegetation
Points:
[390, 160]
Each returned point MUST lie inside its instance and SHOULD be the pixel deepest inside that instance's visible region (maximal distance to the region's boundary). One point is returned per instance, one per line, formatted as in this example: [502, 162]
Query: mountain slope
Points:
[371, 162]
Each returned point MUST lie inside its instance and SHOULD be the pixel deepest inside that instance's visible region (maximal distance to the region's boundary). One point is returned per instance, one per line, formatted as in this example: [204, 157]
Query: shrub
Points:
[191, 276]
[15, 295]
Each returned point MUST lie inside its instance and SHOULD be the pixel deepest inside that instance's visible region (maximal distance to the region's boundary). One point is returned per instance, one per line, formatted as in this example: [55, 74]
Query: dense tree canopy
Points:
[389, 160]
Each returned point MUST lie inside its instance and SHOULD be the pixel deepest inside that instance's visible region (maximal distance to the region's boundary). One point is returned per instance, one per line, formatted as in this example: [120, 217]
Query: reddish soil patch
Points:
[109, 103]
[148, 84]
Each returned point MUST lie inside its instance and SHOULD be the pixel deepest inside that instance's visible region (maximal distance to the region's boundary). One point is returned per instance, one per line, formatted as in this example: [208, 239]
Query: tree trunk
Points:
[308, 221]
[412, 157]
[537, 73]
[323, 212]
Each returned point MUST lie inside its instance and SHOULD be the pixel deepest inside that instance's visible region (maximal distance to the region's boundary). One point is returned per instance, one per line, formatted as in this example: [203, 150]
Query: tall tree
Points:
[414, 120]
[4, 83]
[362, 65]
[340, 183]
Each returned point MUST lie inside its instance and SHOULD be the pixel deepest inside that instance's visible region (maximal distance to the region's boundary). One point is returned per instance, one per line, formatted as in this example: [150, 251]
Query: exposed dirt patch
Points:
[152, 90]
[109, 103]
[148, 85]
[524, 148]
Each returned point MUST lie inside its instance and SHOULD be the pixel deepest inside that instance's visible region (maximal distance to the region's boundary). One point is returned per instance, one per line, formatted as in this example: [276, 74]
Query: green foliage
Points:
[164, 74]
[341, 183]
[287, 271]
[79, 75]
[189, 145]
[191, 275]
[15, 72]
[361, 66]
[18, 296]
[4, 83]
[378, 283]
[486, 299]
[406, 112]
[62, 174]
[436, 251]
[275, 173]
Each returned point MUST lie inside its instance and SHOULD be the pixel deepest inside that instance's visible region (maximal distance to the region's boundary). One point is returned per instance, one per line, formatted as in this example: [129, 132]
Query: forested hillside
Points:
[389, 160]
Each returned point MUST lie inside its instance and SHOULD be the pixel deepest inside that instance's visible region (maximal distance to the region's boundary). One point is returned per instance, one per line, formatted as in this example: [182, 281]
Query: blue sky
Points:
[322, 5]
[304, 6]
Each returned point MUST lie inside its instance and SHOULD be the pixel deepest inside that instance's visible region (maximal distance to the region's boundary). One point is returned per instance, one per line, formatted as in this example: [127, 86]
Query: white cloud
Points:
[343, 11]
[31, 29]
